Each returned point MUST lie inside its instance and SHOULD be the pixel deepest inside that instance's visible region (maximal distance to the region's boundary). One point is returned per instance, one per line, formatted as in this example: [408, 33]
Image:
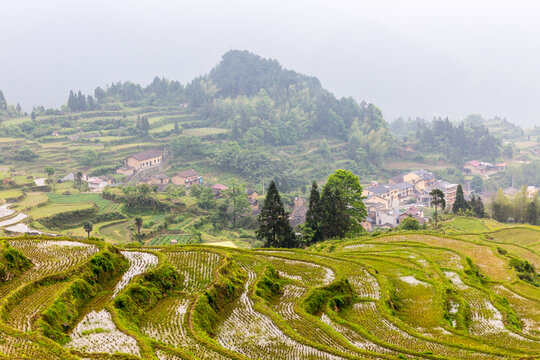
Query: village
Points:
[387, 204]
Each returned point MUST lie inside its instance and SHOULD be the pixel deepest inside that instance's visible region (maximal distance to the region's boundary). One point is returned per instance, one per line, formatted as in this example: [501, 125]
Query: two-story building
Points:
[145, 159]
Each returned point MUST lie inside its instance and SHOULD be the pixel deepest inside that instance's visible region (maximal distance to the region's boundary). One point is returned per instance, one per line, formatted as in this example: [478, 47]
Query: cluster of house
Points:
[404, 195]
[95, 183]
[475, 167]
[148, 167]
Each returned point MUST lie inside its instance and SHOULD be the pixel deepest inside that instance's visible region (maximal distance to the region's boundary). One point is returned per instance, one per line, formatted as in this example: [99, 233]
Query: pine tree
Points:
[91, 103]
[143, 125]
[19, 109]
[477, 206]
[274, 226]
[3, 102]
[532, 211]
[313, 215]
[73, 103]
[335, 218]
[460, 203]
[81, 100]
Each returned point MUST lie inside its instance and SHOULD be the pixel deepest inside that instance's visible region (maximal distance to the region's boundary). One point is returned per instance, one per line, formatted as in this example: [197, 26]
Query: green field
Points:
[165, 239]
[53, 209]
[472, 225]
[116, 233]
[102, 204]
[10, 194]
[397, 296]
[32, 200]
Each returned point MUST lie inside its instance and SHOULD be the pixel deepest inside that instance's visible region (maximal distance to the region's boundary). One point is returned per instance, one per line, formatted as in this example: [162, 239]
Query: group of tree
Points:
[9, 110]
[79, 102]
[474, 206]
[335, 212]
[521, 208]
[142, 125]
[457, 142]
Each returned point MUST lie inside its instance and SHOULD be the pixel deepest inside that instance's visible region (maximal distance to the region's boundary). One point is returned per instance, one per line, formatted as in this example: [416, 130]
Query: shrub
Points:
[409, 223]
[143, 294]
[224, 292]
[269, 285]
[12, 262]
[337, 295]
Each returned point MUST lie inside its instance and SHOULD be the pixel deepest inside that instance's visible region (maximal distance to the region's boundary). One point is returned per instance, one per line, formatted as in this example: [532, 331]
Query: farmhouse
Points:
[218, 190]
[299, 211]
[68, 177]
[253, 199]
[415, 213]
[98, 183]
[158, 179]
[475, 167]
[186, 178]
[145, 159]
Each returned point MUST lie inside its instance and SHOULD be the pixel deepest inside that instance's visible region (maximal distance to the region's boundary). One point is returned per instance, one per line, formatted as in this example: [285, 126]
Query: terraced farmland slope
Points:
[399, 296]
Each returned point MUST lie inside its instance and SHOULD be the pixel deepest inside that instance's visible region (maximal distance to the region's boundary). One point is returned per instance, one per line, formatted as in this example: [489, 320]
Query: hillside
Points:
[399, 296]
[286, 125]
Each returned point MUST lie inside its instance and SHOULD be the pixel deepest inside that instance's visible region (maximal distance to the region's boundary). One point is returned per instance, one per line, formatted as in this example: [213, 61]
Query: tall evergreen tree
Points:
[81, 101]
[19, 109]
[3, 102]
[73, 103]
[460, 203]
[274, 226]
[143, 125]
[90, 102]
[314, 213]
[335, 219]
[477, 206]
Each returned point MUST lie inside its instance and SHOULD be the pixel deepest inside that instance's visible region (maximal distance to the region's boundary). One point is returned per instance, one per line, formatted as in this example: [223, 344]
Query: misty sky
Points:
[416, 57]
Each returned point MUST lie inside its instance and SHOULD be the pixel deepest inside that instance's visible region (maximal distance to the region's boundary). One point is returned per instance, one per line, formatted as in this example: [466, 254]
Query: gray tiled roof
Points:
[148, 154]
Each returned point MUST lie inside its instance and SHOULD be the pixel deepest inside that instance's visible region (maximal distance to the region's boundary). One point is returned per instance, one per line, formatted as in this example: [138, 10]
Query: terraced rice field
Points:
[389, 297]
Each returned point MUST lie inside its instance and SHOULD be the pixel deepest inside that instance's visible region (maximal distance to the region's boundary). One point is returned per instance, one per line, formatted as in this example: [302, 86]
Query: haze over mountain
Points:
[420, 58]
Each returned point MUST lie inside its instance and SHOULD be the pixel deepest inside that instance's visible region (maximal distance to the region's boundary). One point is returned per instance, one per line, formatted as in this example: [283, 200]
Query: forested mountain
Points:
[457, 142]
[262, 105]
[254, 97]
